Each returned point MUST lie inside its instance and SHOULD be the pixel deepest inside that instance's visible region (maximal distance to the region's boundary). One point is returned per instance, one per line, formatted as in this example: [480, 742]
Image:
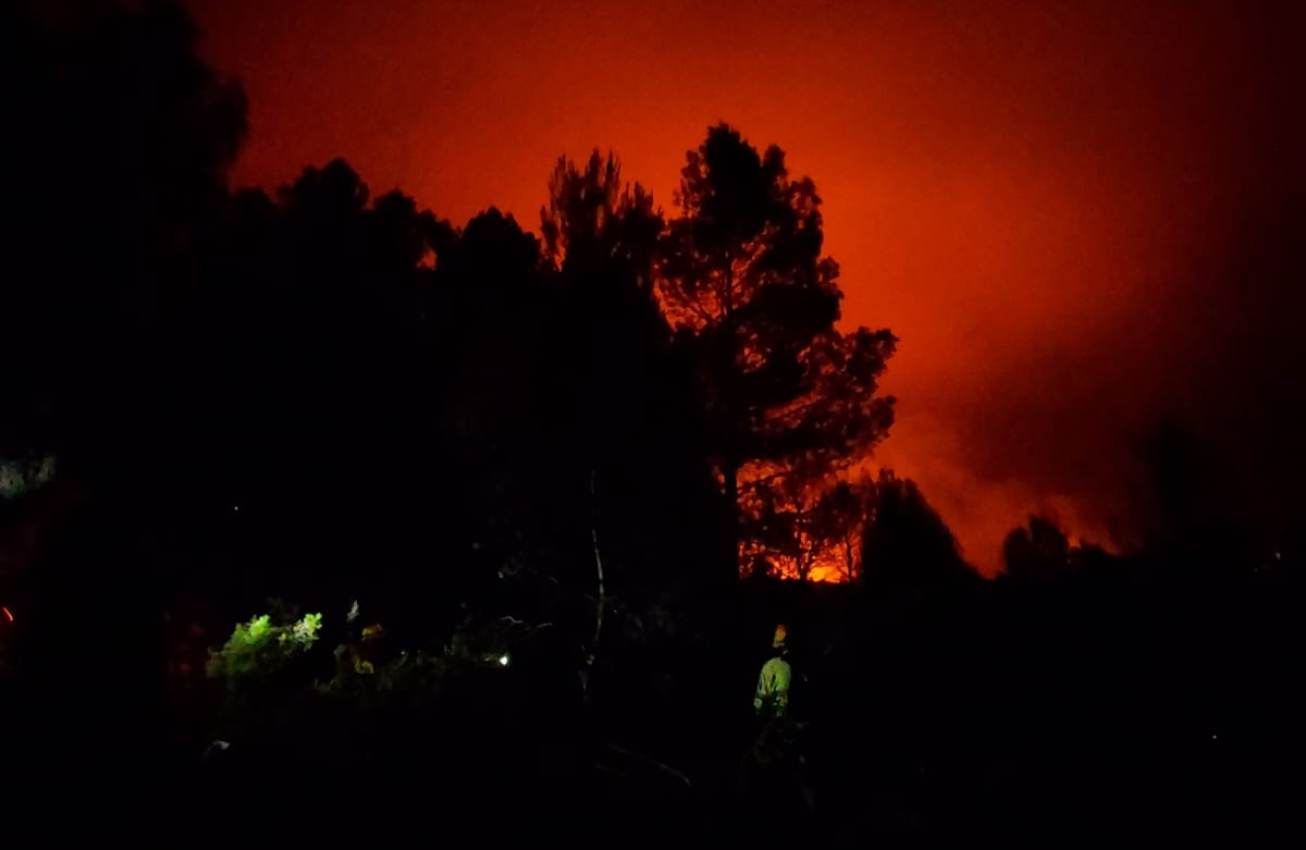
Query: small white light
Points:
[236, 508]
[503, 660]
[1214, 737]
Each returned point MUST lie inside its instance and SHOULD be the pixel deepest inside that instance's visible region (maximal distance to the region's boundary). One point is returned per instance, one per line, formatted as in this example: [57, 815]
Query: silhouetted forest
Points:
[569, 475]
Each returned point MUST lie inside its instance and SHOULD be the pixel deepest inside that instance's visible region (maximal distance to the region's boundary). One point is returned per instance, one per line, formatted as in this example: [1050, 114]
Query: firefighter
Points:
[771, 700]
[775, 769]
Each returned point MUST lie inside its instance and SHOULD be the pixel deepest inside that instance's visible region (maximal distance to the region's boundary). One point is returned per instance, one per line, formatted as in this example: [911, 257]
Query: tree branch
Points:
[598, 569]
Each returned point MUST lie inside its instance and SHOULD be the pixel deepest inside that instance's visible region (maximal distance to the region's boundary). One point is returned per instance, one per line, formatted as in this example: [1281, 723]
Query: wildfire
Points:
[833, 564]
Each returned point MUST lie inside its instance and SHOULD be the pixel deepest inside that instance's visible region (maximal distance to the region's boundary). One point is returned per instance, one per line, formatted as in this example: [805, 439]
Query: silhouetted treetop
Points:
[744, 227]
[492, 250]
[905, 543]
[593, 218]
[1039, 550]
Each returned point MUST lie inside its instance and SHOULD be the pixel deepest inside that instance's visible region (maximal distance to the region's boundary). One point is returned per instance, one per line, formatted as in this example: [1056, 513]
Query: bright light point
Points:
[9, 615]
[236, 508]
[503, 660]
[1214, 737]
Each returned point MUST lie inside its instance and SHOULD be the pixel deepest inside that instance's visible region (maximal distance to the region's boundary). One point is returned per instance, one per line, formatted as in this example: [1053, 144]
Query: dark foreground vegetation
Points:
[506, 523]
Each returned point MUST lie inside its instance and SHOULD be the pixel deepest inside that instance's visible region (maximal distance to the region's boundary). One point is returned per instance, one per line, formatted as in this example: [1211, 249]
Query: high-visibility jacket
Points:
[772, 695]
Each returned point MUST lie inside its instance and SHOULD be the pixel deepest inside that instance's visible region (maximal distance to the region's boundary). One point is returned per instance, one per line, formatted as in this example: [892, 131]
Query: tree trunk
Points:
[602, 601]
[731, 412]
[732, 500]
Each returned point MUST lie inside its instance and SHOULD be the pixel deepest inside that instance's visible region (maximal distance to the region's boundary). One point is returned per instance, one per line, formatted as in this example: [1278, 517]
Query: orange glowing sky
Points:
[1028, 194]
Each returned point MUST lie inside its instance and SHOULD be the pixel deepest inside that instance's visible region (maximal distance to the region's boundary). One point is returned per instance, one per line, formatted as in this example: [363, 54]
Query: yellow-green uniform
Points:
[772, 697]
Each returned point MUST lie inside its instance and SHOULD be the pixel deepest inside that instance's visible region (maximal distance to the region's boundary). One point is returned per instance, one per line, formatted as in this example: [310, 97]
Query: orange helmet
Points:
[781, 634]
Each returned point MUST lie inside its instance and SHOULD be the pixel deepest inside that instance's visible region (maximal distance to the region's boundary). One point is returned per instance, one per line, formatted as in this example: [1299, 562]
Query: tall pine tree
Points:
[789, 398]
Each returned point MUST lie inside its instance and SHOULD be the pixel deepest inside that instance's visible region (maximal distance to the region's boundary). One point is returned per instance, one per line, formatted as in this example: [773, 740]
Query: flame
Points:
[828, 564]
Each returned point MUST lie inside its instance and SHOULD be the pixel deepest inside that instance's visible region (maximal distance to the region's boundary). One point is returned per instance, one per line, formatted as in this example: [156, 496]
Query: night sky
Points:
[1082, 222]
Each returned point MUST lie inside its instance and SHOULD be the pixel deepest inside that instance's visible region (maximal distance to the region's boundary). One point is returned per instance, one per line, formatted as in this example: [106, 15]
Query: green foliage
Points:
[381, 676]
[257, 650]
[410, 677]
[303, 633]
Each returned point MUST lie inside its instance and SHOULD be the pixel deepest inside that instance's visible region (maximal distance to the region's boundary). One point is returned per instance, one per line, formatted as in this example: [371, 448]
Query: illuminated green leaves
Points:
[258, 649]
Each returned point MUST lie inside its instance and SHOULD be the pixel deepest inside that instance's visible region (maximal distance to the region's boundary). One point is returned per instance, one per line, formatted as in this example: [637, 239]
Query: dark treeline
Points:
[592, 451]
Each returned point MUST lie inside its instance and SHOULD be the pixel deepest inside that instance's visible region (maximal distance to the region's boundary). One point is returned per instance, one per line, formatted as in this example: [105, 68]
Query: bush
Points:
[258, 650]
